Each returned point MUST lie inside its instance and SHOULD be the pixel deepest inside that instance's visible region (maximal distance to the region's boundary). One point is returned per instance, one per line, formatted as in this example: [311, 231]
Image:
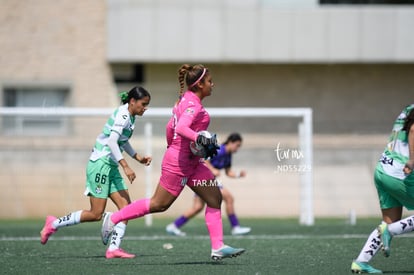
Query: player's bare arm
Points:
[215, 171]
[146, 160]
[127, 170]
[233, 174]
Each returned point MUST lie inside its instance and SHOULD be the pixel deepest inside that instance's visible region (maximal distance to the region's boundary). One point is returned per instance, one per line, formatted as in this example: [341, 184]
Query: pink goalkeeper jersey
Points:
[189, 117]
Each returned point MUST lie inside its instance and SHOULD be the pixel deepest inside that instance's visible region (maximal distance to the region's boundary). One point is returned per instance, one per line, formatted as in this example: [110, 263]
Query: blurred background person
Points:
[222, 160]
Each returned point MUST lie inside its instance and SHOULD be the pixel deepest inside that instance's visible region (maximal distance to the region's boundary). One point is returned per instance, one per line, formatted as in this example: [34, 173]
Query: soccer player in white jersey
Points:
[103, 179]
[394, 180]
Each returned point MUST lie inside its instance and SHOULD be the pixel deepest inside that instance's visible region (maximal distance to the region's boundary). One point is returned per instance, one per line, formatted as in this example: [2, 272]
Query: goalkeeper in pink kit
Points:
[180, 167]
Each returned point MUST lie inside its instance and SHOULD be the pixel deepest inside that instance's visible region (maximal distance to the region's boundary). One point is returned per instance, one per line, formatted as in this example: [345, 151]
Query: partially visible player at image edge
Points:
[394, 180]
[103, 179]
[222, 160]
[180, 167]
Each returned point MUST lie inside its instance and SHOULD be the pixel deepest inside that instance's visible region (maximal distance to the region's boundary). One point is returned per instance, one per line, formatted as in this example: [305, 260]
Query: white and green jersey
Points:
[122, 123]
[396, 153]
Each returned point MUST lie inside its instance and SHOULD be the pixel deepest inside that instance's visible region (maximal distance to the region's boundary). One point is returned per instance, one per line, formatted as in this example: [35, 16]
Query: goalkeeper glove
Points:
[211, 150]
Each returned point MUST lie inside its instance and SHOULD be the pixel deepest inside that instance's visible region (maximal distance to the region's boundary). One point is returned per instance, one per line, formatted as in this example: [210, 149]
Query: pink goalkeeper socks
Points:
[214, 226]
[132, 211]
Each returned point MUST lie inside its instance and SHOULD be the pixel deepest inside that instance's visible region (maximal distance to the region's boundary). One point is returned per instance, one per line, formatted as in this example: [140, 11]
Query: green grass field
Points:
[275, 246]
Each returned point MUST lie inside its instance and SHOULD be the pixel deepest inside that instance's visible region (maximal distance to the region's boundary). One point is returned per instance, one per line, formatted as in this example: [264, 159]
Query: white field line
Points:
[198, 237]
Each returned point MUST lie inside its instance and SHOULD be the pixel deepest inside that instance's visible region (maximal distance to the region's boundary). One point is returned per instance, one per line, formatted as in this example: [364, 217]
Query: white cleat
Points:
[226, 252]
[107, 228]
[172, 229]
[239, 230]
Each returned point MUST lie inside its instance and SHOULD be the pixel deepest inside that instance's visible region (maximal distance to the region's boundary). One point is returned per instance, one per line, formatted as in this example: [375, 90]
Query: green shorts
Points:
[103, 179]
[394, 192]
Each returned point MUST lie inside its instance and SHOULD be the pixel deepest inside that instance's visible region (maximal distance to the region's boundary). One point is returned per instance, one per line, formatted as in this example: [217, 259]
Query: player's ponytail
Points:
[135, 93]
[191, 75]
[182, 72]
[124, 97]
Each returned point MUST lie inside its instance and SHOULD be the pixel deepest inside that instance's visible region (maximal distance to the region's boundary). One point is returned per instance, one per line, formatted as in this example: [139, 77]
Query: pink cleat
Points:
[118, 253]
[47, 230]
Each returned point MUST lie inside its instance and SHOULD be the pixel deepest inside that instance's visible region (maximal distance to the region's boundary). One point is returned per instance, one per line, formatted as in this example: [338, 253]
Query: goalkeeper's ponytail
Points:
[190, 75]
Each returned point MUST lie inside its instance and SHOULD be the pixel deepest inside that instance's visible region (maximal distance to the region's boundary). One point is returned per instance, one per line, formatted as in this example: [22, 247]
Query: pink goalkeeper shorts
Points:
[174, 183]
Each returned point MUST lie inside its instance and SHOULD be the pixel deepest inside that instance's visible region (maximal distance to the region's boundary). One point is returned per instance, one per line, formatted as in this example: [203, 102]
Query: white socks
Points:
[402, 226]
[372, 245]
[370, 248]
[117, 235]
[71, 219]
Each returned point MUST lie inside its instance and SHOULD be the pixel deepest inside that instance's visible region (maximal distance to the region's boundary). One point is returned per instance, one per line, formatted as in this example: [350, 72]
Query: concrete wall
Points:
[48, 42]
[57, 43]
[255, 31]
[51, 43]
[345, 98]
